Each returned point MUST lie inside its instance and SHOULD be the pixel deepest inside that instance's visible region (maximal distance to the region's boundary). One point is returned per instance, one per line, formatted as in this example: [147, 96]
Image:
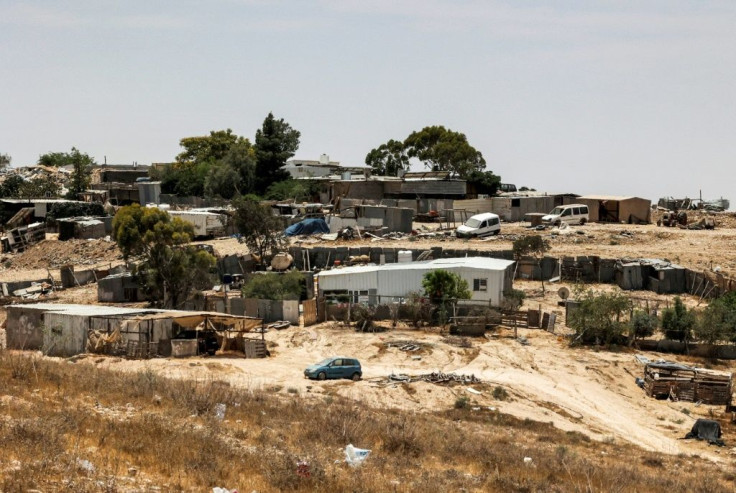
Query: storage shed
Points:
[63, 329]
[509, 208]
[605, 208]
[205, 223]
[487, 278]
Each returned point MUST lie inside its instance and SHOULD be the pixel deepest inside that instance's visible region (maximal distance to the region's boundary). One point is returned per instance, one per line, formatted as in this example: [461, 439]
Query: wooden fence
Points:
[309, 311]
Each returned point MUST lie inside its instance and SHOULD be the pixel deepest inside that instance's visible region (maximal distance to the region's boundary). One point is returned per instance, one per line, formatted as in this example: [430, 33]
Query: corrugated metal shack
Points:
[487, 278]
[609, 208]
[84, 228]
[394, 219]
[118, 288]
[656, 275]
[665, 380]
[63, 329]
[206, 224]
[149, 192]
[511, 209]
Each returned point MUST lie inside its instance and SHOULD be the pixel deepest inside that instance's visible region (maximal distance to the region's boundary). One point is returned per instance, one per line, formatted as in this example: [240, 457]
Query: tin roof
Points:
[444, 263]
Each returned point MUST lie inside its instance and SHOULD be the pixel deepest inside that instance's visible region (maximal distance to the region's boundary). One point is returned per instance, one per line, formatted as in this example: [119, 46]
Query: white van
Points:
[480, 225]
[570, 214]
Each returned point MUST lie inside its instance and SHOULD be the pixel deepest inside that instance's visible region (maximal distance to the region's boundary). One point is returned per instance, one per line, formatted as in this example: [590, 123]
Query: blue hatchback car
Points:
[335, 367]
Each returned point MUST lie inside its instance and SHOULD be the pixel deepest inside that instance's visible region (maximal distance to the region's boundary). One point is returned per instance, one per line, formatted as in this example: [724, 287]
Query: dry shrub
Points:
[111, 419]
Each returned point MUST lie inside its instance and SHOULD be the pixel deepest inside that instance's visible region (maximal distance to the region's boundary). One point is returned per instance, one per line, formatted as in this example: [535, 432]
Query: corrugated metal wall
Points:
[65, 335]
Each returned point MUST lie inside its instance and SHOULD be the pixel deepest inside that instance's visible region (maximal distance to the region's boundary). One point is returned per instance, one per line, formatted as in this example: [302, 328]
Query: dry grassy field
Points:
[106, 424]
[70, 426]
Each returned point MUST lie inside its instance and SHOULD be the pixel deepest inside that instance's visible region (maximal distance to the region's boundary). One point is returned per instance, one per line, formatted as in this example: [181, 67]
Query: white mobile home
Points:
[487, 278]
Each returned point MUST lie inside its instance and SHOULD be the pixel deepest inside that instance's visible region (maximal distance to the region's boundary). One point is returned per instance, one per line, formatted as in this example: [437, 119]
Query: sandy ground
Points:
[576, 389]
[582, 390]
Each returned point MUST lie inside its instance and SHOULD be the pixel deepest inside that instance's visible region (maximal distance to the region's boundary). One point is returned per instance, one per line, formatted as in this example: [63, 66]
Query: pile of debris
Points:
[435, 377]
[54, 254]
[667, 380]
[410, 346]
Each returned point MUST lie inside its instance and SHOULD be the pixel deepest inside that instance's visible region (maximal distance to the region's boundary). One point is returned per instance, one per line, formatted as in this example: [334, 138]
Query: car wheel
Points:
[582, 221]
[356, 376]
[558, 223]
[321, 376]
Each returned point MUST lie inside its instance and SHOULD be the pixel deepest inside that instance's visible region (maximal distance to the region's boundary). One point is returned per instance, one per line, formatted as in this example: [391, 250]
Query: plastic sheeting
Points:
[307, 227]
[706, 429]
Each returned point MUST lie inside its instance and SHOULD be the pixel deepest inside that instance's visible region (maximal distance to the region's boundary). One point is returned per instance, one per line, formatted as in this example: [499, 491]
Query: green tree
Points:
[713, 324]
[188, 176]
[642, 324]
[441, 149]
[443, 288]
[532, 246]
[718, 321]
[242, 159]
[81, 173]
[275, 142]
[485, 182]
[297, 190]
[275, 286]
[678, 322]
[169, 269]
[54, 159]
[222, 181]
[597, 319]
[512, 301]
[387, 159]
[41, 187]
[207, 148]
[260, 229]
[11, 186]
[4, 161]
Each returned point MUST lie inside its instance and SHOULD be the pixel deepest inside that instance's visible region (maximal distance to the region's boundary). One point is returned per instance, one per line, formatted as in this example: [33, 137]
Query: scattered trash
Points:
[473, 391]
[416, 358]
[355, 456]
[217, 489]
[280, 324]
[640, 382]
[220, 411]
[527, 460]
[523, 341]
[85, 465]
[303, 470]
[642, 359]
[435, 377]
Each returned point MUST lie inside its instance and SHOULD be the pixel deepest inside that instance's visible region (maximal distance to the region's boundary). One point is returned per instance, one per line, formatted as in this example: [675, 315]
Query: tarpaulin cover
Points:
[308, 227]
[706, 429]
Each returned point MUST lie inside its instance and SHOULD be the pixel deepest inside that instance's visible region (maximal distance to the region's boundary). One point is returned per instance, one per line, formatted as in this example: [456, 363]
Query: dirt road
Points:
[576, 389]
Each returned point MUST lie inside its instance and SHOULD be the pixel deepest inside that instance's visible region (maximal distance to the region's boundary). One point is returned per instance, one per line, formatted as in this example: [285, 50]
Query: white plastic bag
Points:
[355, 456]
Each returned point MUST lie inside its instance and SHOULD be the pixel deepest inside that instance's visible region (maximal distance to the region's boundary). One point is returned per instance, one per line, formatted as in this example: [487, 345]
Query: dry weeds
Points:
[72, 426]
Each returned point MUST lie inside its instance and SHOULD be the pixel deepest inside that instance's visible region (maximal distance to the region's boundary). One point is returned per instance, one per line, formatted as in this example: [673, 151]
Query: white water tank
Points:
[324, 159]
[404, 256]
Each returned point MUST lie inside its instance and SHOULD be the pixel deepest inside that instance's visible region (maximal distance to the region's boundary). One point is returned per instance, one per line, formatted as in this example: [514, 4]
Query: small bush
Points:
[500, 394]
[462, 402]
[274, 286]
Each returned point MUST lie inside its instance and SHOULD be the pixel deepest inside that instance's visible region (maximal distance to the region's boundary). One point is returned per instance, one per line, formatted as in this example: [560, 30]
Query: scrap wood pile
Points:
[409, 346]
[435, 377]
[684, 383]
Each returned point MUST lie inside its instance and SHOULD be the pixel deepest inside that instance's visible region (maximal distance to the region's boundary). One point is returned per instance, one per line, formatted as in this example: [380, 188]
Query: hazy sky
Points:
[608, 97]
